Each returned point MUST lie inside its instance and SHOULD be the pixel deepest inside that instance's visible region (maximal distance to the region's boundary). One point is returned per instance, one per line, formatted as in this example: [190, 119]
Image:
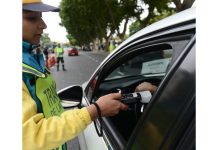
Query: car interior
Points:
[123, 77]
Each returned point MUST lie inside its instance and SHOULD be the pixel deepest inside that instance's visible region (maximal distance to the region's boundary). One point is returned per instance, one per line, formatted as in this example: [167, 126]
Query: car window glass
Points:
[148, 64]
[131, 66]
[172, 112]
[134, 68]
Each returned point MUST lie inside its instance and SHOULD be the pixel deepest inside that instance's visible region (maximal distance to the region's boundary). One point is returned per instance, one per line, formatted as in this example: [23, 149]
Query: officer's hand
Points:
[110, 104]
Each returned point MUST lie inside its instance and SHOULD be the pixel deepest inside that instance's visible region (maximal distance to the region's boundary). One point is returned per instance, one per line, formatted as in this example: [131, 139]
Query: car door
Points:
[145, 59]
[169, 121]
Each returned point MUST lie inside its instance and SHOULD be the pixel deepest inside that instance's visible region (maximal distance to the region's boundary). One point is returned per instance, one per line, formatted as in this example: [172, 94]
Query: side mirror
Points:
[71, 96]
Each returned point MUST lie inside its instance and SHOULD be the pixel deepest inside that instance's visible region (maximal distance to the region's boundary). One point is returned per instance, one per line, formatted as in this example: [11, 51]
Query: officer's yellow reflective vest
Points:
[46, 93]
[60, 52]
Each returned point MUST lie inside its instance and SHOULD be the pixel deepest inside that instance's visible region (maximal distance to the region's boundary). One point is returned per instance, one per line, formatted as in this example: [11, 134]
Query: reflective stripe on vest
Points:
[47, 94]
[31, 70]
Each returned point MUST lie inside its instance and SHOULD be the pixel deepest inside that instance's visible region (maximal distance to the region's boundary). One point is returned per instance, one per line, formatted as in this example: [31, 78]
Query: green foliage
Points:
[45, 39]
[126, 36]
[72, 40]
[158, 16]
[82, 19]
[86, 20]
[160, 5]
[134, 27]
[157, 10]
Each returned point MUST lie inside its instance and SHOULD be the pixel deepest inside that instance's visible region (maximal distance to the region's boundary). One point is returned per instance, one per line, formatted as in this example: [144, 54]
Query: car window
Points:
[123, 73]
[149, 64]
[172, 113]
[132, 69]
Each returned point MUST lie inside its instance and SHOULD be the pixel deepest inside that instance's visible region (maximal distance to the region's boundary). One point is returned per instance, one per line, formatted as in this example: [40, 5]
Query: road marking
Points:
[95, 60]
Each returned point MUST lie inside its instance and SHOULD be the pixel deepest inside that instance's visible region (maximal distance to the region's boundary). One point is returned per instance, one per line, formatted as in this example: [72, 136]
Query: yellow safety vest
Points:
[46, 93]
[60, 52]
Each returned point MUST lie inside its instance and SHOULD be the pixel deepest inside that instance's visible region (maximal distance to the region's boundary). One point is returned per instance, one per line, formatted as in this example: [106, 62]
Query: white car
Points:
[163, 54]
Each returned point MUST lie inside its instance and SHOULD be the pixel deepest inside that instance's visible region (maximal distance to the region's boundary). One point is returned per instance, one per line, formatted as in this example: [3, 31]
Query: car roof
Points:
[184, 16]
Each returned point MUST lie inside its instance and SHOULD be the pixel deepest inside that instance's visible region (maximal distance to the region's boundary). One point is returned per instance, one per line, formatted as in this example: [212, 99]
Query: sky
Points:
[52, 19]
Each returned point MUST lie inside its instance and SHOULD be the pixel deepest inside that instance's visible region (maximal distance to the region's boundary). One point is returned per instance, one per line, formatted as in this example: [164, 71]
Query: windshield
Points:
[147, 64]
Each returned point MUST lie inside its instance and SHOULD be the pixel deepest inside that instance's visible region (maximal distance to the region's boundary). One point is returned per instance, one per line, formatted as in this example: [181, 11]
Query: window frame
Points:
[175, 134]
[130, 48]
[101, 73]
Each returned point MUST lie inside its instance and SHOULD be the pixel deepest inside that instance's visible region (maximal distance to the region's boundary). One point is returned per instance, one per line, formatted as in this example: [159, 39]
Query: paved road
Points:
[79, 69]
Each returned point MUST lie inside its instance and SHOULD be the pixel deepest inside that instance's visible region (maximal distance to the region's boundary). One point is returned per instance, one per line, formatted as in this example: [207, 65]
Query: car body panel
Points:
[92, 140]
[73, 52]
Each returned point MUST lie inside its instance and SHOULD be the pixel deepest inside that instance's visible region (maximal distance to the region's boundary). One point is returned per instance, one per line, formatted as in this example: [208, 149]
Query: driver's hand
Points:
[146, 86]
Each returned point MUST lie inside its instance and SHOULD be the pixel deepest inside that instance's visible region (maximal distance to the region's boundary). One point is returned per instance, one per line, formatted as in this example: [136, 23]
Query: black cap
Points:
[37, 5]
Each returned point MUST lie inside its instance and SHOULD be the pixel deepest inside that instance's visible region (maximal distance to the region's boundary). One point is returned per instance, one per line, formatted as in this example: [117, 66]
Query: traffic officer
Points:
[45, 124]
[59, 51]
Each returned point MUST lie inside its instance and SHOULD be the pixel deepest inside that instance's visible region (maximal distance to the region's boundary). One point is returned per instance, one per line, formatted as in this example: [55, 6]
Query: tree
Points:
[180, 6]
[119, 11]
[45, 39]
[134, 27]
[157, 10]
[86, 20]
[72, 40]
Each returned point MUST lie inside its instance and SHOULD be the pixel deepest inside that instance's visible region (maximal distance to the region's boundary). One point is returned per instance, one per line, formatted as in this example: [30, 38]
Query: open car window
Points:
[146, 64]
[149, 66]
[135, 68]
[124, 72]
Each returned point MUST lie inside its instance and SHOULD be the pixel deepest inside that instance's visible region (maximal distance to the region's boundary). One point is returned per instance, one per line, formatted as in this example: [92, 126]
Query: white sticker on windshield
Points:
[155, 66]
